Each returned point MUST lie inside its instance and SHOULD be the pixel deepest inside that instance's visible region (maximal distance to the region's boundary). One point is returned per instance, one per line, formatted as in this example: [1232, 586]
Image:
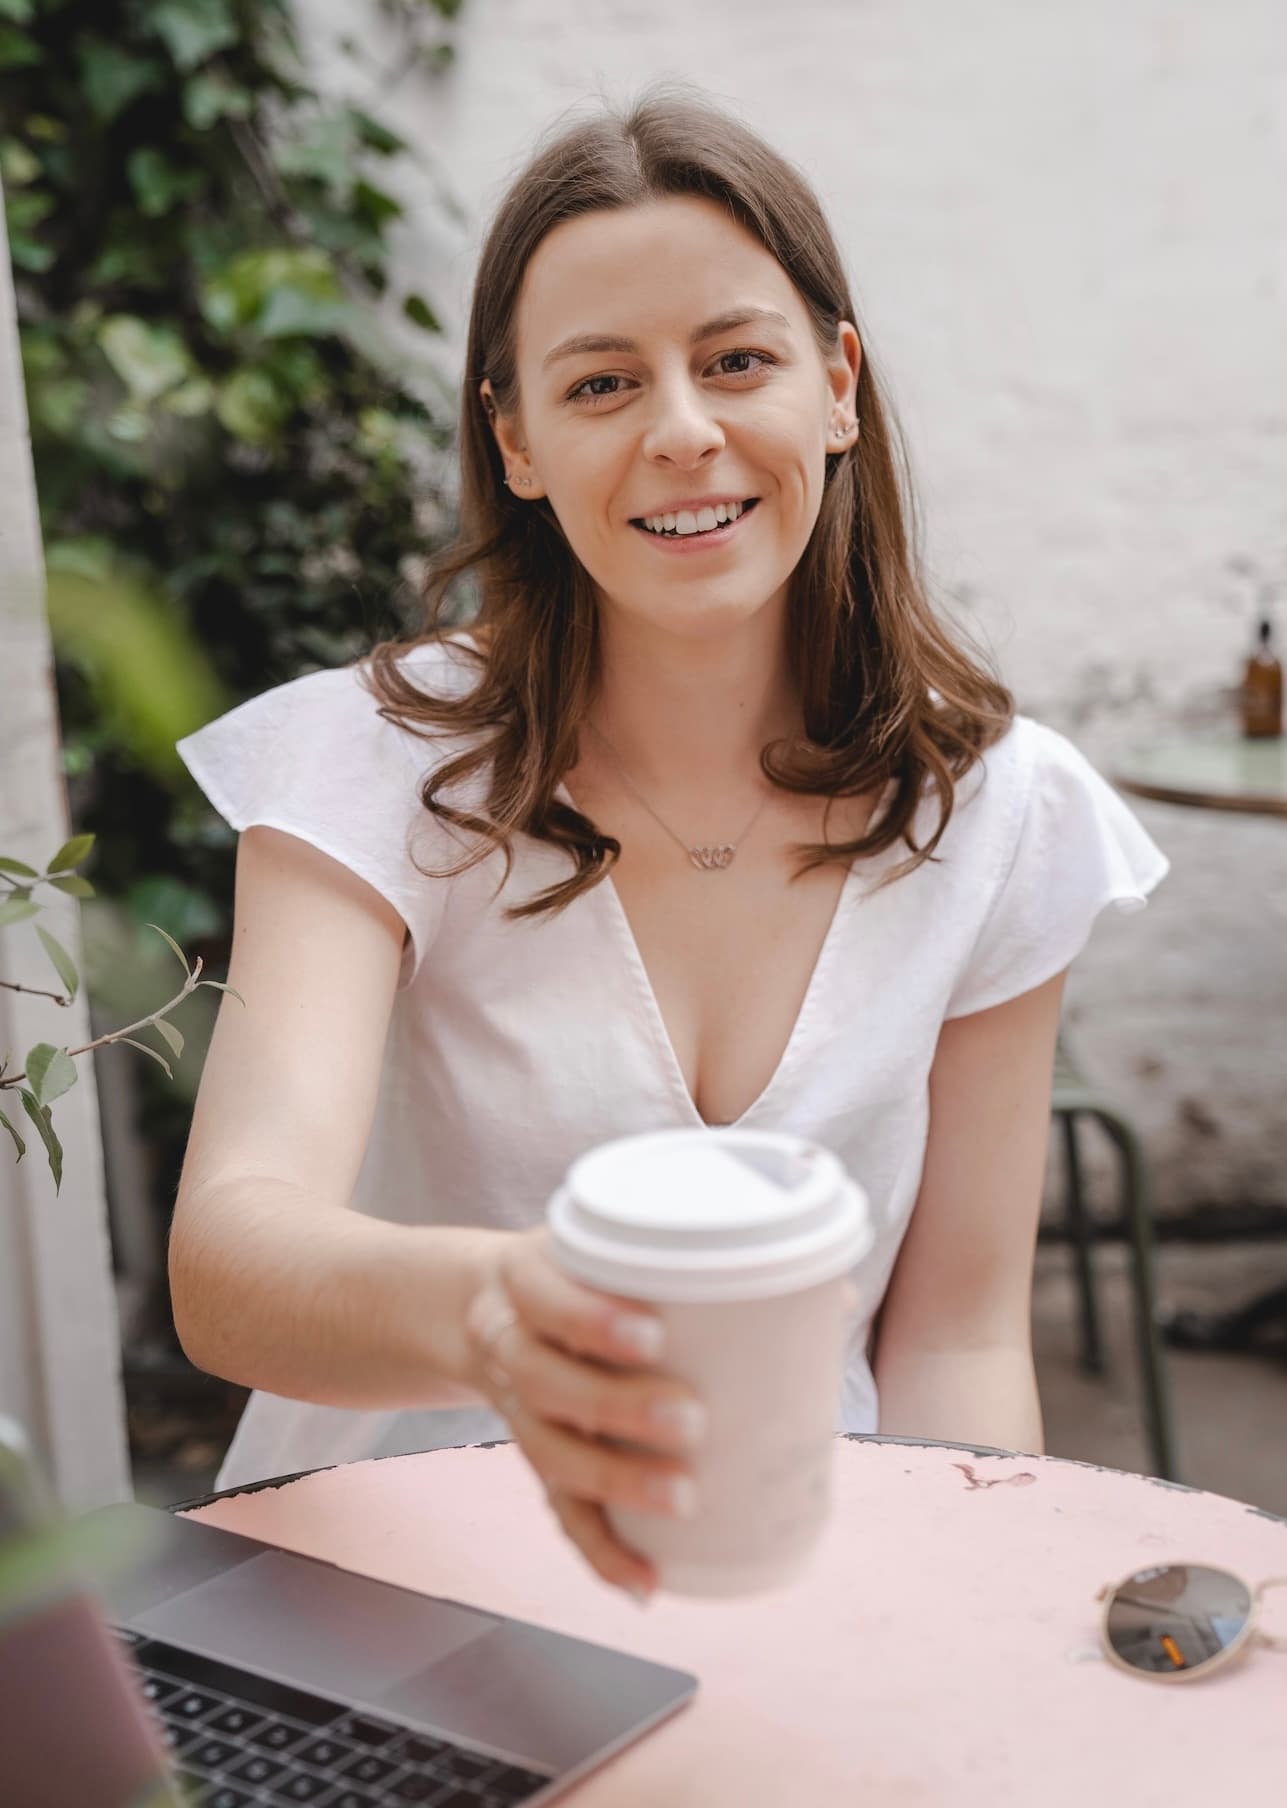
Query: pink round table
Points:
[941, 1650]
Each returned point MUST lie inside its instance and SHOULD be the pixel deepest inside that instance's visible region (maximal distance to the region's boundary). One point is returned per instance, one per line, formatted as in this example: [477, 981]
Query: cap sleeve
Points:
[313, 758]
[1076, 848]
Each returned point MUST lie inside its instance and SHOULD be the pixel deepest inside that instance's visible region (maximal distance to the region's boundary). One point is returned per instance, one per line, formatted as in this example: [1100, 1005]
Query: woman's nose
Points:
[682, 430]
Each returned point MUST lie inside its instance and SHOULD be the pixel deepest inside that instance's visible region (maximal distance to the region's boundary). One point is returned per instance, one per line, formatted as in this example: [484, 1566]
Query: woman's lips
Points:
[719, 535]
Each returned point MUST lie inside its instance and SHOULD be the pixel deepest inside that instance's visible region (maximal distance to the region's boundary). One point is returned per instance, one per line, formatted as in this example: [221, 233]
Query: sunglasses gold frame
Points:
[1237, 1647]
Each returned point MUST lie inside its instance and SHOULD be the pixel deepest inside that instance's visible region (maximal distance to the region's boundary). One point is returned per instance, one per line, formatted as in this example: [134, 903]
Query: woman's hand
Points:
[571, 1368]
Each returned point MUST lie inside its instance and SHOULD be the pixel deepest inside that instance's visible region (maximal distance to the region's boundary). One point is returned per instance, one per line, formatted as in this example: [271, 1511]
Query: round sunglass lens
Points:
[1176, 1617]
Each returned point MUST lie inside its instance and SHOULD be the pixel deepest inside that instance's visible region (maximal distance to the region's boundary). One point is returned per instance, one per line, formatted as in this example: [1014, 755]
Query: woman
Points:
[707, 820]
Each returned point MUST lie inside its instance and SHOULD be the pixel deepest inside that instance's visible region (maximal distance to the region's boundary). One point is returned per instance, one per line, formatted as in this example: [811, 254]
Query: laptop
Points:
[250, 1675]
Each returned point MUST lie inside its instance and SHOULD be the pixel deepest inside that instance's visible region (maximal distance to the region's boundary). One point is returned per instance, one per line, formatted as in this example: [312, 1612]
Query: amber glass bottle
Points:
[1262, 689]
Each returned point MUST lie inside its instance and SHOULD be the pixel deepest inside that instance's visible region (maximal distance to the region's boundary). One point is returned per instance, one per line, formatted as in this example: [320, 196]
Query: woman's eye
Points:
[742, 364]
[595, 389]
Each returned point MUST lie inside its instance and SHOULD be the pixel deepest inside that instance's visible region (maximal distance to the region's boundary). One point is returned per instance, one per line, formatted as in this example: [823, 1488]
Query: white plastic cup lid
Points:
[718, 1215]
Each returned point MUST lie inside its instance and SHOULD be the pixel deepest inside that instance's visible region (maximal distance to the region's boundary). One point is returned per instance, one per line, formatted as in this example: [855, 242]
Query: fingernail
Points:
[676, 1493]
[645, 1337]
[686, 1419]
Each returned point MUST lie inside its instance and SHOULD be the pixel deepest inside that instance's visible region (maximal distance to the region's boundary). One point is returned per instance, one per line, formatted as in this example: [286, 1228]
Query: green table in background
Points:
[1209, 772]
[1215, 772]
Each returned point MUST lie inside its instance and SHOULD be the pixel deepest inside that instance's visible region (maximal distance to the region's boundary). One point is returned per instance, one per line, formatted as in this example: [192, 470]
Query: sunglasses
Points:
[1179, 1621]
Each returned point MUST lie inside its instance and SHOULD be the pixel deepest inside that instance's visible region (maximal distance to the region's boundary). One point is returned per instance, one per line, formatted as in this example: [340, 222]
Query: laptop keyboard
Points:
[240, 1738]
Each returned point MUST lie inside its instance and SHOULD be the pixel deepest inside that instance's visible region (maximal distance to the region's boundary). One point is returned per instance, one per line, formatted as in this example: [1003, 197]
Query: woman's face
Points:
[669, 378]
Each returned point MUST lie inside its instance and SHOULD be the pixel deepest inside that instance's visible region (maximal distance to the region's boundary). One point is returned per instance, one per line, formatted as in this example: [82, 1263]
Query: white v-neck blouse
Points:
[515, 1045]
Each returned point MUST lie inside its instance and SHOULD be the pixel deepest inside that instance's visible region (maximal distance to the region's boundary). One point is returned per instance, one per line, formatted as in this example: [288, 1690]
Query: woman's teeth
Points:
[685, 522]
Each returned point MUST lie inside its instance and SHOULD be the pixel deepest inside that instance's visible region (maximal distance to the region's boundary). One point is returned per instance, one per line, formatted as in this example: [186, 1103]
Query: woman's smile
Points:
[699, 527]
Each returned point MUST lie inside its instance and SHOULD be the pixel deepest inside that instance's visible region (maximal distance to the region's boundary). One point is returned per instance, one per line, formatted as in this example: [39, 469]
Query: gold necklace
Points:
[705, 859]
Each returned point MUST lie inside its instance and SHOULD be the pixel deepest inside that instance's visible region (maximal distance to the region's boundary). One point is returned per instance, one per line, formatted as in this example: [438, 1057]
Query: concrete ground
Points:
[1230, 1410]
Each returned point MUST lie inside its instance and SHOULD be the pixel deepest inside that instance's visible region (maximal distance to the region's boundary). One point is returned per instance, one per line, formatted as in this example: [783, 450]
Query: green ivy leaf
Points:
[63, 962]
[171, 1035]
[27, 208]
[57, 404]
[376, 137]
[40, 1117]
[71, 853]
[74, 888]
[148, 359]
[292, 312]
[193, 30]
[17, 910]
[19, 867]
[159, 184]
[190, 399]
[378, 206]
[51, 1072]
[210, 97]
[111, 79]
[18, 165]
[30, 254]
[325, 148]
[251, 407]
[17, 50]
[418, 311]
[21, 1146]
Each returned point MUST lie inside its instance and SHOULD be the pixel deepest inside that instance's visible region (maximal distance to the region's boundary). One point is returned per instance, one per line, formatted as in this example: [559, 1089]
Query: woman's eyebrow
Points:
[614, 342]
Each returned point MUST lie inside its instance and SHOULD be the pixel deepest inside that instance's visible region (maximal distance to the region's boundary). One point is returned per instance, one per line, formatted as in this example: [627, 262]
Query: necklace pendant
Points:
[711, 859]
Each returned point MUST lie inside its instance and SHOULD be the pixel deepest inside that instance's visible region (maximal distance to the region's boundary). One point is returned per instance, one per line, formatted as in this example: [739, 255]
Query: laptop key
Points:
[190, 1705]
[279, 1737]
[412, 1788]
[211, 1754]
[181, 1738]
[160, 1688]
[235, 1720]
[368, 1769]
[301, 1787]
[224, 1795]
[324, 1753]
[257, 1769]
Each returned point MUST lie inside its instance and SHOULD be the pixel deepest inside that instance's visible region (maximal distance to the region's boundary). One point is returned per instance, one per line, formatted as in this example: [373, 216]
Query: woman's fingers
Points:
[591, 1469]
[641, 1408]
[577, 1317]
[587, 1526]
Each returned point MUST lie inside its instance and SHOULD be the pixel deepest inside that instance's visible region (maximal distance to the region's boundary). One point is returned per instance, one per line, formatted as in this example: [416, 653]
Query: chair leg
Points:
[1092, 1343]
[1152, 1359]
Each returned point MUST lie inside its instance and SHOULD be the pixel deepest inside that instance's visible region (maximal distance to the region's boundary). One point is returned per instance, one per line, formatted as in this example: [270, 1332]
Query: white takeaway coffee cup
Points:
[741, 1240]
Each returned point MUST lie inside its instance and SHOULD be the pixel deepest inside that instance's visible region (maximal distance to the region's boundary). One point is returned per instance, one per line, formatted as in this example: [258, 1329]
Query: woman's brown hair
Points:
[888, 696]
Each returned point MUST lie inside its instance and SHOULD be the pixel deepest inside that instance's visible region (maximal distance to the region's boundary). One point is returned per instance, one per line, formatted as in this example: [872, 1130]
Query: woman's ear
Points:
[520, 473]
[843, 369]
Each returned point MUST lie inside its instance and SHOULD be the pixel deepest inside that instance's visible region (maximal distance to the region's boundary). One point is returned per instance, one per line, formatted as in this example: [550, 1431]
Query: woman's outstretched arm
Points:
[953, 1356]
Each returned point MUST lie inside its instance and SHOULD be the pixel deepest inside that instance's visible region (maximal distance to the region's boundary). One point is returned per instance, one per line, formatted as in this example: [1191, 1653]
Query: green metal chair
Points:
[1074, 1099]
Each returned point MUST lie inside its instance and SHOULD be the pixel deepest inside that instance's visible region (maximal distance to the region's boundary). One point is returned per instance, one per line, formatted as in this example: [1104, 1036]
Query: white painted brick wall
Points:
[1066, 229]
